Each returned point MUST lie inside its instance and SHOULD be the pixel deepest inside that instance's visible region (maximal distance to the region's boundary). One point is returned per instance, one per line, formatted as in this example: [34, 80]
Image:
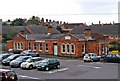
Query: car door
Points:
[50, 64]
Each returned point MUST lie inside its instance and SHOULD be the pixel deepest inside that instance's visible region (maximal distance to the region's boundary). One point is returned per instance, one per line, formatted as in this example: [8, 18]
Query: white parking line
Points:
[96, 67]
[58, 70]
[29, 77]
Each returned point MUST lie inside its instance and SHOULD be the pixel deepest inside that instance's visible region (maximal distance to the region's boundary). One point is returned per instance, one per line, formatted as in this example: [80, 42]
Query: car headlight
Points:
[43, 66]
[8, 61]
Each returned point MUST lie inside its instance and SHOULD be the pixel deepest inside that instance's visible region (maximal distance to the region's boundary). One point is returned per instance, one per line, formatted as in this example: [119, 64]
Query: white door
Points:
[55, 50]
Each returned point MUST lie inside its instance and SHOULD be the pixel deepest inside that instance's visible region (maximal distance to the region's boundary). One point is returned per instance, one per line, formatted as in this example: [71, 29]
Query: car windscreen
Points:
[12, 56]
[20, 58]
[29, 60]
[9, 73]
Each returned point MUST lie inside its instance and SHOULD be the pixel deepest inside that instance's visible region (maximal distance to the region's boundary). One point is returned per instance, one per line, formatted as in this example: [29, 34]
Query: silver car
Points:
[91, 57]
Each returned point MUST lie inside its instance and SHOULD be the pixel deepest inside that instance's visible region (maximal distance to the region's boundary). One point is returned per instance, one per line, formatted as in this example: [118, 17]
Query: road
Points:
[72, 69]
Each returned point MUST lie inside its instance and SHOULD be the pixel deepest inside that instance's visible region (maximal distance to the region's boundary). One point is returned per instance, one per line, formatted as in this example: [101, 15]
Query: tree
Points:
[33, 20]
[114, 45]
[18, 22]
[60, 29]
[8, 36]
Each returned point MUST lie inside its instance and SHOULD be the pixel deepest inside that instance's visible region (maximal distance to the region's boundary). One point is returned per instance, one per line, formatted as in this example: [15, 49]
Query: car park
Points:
[115, 58]
[4, 56]
[8, 75]
[10, 58]
[30, 53]
[91, 57]
[30, 63]
[17, 62]
[48, 64]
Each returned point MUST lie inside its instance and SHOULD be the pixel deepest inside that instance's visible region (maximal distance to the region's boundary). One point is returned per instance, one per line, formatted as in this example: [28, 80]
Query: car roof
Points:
[35, 57]
[5, 70]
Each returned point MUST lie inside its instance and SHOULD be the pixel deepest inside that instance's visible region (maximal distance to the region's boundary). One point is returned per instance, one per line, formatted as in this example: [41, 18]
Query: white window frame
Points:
[103, 49]
[46, 47]
[15, 45]
[40, 47]
[18, 46]
[83, 48]
[34, 46]
[29, 45]
[72, 49]
[62, 48]
[68, 48]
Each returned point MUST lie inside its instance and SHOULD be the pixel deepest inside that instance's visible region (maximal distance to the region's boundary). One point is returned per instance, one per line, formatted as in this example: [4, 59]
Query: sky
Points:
[71, 11]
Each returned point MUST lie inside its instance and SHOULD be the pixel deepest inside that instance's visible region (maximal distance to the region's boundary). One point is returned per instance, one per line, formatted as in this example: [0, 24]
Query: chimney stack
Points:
[99, 23]
[87, 32]
[42, 20]
[49, 30]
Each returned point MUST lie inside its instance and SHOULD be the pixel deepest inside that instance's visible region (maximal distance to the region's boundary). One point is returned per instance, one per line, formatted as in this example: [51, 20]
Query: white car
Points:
[30, 63]
[91, 57]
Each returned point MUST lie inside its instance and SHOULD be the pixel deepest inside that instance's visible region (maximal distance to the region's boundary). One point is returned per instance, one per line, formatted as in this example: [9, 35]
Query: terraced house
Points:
[48, 40]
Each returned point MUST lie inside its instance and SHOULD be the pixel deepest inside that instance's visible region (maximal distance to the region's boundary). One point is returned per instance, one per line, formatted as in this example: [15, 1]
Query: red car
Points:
[8, 75]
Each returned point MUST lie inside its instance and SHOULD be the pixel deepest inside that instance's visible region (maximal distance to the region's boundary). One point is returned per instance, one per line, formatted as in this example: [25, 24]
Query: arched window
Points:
[34, 46]
[40, 47]
[72, 49]
[67, 48]
[15, 45]
[18, 45]
[63, 48]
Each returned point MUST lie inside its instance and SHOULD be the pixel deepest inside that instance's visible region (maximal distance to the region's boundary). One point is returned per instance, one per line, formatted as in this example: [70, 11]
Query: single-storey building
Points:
[53, 42]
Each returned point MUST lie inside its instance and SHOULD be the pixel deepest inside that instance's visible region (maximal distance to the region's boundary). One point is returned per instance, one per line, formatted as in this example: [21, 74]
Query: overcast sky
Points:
[72, 11]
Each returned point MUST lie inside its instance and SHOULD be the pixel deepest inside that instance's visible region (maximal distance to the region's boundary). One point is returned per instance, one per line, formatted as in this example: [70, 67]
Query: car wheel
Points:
[58, 66]
[47, 68]
[91, 60]
[31, 66]
[84, 60]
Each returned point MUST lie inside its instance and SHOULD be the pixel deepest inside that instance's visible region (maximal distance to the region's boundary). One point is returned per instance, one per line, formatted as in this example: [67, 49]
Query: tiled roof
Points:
[38, 29]
[9, 29]
[54, 36]
[36, 36]
[102, 29]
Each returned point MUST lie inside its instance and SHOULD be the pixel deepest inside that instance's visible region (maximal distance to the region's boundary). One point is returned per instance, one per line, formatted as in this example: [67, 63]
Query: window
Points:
[46, 47]
[40, 47]
[15, 45]
[18, 45]
[21, 46]
[34, 46]
[29, 46]
[63, 48]
[68, 48]
[83, 48]
[72, 48]
[102, 48]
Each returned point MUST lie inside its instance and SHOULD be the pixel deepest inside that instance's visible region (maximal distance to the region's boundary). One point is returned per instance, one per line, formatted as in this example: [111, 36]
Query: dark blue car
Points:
[10, 58]
[18, 61]
[48, 64]
[4, 56]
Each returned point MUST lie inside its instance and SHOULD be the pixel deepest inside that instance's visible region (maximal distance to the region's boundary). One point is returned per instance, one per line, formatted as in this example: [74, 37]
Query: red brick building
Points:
[54, 43]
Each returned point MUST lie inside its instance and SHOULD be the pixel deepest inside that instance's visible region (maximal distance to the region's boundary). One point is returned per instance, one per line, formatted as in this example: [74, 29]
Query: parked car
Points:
[10, 58]
[8, 75]
[91, 57]
[4, 56]
[48, 64]
[17, 51]
[30, 63]
[17, 62]
[30, 53]
[115, 58]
